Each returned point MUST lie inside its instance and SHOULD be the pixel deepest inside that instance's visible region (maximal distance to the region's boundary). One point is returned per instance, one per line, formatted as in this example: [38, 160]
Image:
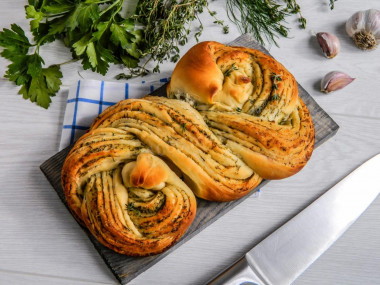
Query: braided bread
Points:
[128, 198]
[238, 120]
[250, 102]
[131, 200]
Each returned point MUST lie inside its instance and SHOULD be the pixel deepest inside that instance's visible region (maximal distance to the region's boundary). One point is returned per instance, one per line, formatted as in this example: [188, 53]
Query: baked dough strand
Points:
[233, 118]
[251, 103]
[128, 198]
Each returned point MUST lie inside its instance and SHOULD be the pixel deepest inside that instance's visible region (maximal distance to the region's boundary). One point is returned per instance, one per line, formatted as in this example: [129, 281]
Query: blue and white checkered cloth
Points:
[88, 98]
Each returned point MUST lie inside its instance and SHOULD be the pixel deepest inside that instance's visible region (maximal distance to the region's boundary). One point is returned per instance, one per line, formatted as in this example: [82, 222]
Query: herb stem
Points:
[69, 61]
[110, 7]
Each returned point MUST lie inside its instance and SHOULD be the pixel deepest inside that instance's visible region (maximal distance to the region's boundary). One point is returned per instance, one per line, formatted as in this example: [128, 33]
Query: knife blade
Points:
[290, 250]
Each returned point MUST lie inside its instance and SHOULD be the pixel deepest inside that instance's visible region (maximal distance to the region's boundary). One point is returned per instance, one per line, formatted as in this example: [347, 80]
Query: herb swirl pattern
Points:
[236, 119]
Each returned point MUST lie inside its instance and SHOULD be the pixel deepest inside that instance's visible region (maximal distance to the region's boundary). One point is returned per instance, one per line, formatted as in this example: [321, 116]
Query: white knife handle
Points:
[239, 273]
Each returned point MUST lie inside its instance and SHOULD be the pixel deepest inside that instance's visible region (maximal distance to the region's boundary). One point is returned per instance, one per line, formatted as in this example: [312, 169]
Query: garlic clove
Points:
[364, 28]
[335, 80]
[355, 23]
[329, 44]
[373, 22]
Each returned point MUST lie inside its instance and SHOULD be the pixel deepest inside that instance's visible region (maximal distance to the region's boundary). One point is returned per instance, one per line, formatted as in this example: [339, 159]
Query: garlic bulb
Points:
[329, 44]
[335, 80]
[364, 28]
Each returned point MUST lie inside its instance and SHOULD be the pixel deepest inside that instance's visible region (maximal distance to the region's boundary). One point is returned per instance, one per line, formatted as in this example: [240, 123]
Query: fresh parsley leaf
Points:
[91, 53]
[119, 36]
[36, 3]
[58, 25]
[128, 42]
[105, 54]
[128, 25]
[58, 7]
[32, 13]
[38, 92]
[87, 15]
[17, 70]
[81, 45]
[129, 61]
[96, 57]
[94, 30]
[52, 76]
[34, 65]
[37, 83]
[44, 86]
[14, 40]
[83, 16]
[101, 28]
[134, 51]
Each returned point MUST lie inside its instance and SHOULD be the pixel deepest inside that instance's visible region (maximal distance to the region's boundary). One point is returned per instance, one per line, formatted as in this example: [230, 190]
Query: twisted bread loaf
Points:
[250, 102]
[250, 125]
[129, 198]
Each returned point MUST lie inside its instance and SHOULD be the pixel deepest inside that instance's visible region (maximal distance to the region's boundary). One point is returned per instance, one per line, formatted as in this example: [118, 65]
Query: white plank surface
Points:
[41, 244]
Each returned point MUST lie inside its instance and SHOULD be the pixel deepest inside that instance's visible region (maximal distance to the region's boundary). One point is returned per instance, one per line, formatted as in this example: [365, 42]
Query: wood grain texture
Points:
[38, 235]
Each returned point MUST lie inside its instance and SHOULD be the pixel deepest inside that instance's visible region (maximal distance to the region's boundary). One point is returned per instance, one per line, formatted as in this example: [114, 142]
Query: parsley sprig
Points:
[98, 34]
[94, 31]
[37, 83]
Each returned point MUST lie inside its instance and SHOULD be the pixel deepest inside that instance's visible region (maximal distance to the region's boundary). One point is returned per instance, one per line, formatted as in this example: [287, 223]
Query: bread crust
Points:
[130, 180]
[128, 198]
[174, 130]
[252, 106]
[118, 160]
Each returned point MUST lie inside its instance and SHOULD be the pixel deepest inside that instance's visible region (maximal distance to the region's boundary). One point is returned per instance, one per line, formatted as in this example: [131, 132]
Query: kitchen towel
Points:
[88, 98]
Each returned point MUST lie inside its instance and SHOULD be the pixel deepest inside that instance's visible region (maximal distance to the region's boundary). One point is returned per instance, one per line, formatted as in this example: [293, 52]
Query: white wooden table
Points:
[40, 243]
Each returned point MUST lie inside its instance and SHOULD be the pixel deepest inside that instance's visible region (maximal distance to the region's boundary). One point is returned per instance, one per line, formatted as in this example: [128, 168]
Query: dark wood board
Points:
[126, 268]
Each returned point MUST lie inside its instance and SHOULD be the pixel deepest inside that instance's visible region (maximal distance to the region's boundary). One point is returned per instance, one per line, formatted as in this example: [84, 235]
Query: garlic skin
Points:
[364, 28]
[329, 44]
[335, 80]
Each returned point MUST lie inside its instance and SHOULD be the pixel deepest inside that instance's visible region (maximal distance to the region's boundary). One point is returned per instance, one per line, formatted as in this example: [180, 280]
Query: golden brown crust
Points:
[113, 172]
[198, 73]
[174, 130]
[254, 107]
[127, 197]
[147, 173]
[248, 124]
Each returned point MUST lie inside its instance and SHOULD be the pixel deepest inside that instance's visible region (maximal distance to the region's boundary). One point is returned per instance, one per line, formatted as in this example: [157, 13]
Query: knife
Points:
[290, 250]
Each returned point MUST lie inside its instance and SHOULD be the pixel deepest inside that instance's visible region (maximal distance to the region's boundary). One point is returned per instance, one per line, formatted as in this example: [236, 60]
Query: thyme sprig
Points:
[294, 8]
[167, 25]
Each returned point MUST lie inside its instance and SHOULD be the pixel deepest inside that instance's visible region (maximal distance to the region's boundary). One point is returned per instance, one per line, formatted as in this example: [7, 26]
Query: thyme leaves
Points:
[230, 70]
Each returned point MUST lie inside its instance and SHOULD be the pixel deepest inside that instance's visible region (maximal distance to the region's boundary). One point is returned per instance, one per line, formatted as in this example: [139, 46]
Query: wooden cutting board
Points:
[125, 268]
